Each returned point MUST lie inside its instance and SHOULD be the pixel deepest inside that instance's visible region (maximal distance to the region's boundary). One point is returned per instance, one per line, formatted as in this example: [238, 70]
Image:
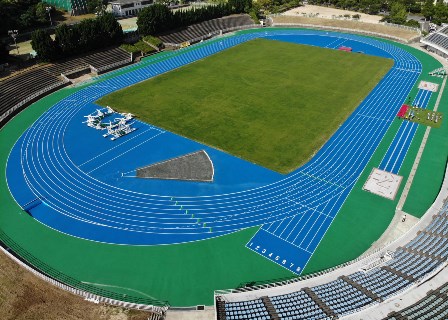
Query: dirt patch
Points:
[23, 296]
[328, 13]
[404, 34]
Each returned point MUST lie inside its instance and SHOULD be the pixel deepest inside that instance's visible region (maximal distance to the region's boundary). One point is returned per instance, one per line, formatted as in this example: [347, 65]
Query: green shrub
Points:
[129, 48]
[154, 41]
[143, 47]
[254, 16]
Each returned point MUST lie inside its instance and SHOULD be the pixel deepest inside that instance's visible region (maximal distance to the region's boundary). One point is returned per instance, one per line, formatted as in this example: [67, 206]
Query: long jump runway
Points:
[70, 179]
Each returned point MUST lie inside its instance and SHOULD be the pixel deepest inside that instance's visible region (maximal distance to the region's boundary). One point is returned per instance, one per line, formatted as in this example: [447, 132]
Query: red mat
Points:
[402, 112]
[348, 49]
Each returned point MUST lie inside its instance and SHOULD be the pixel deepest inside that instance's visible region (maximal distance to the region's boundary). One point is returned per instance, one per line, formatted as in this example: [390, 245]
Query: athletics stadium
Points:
[231, 172]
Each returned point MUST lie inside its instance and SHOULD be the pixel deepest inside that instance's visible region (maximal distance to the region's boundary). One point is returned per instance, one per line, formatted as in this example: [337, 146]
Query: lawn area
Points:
[269, 102]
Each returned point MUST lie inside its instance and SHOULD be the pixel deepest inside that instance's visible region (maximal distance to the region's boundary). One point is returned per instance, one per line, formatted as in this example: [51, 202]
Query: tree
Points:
[90, 36]
[110, 27]
[154, 19]
[440, 13]
[27, 19]
[398, 14]
[4, 52]
[42, 14]
[240, 6]
[43, 45]
[67, 39]
[428, 9]
[95, 6]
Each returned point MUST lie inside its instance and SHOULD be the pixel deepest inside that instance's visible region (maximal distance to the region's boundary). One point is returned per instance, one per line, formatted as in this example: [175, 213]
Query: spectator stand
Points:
[207, 29]
[437, 42]
[363, 284]
[20, 90]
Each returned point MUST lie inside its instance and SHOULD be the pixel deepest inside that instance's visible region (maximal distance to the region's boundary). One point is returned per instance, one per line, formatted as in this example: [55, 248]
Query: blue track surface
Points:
[82, 184]
[399, 147]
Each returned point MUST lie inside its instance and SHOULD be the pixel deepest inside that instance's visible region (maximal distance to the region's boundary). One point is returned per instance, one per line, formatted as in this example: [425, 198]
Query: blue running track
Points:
[394, 157]
[71, 179]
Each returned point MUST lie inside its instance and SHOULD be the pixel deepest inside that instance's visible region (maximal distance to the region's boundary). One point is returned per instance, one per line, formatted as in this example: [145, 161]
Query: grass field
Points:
[269, 102]
[424, 117]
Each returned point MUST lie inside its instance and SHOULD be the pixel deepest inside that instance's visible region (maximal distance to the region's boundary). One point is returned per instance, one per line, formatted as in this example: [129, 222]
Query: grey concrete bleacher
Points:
[18, 88]
[419, 258]
[23, 88]
[206, 28]
[433, 307]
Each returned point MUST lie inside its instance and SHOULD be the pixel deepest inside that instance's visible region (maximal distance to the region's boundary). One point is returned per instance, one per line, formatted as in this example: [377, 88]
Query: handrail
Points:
[30, 98]
[15, 251]
[314, 26]
[115, 64]
[58, 84]
[212, 34]
[336, 18]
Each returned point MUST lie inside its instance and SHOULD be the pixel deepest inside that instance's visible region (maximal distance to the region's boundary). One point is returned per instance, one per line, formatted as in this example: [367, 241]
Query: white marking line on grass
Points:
[118, 287]
[128, 150]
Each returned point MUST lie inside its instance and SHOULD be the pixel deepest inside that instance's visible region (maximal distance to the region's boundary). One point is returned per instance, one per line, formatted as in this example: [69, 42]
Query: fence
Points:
[369, 33]
[15, 252]
[357, 20]
[58, 85]
[31, 98]
[113, 65]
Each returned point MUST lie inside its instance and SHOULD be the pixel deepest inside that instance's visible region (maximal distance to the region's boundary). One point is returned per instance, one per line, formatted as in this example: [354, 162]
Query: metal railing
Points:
[86, 295]
[358, 31]
[114, 65]
[18, 254]
[394, 25]
[31, 97]
[213, 34]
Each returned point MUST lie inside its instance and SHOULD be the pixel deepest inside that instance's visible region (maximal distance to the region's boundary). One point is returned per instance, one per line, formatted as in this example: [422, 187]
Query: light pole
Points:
[48, 9]
[13, 34]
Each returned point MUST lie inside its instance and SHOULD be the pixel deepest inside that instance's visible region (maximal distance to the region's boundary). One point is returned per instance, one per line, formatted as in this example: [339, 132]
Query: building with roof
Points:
[437, 42]
[75, 7]
[126, 8]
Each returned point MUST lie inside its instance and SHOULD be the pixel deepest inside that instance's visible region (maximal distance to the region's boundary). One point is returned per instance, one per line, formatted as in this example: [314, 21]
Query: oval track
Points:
[297, 209]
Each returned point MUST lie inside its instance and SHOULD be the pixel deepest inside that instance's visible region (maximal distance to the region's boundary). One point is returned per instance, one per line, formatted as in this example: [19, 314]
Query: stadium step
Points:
[270, 307]
[421, 253]
[399, 273]
[432, 233]
[356, 285]
[328, 311]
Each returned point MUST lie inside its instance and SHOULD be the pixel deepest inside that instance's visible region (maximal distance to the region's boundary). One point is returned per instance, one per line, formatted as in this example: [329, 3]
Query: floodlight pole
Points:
[48, 9]
[13, 34]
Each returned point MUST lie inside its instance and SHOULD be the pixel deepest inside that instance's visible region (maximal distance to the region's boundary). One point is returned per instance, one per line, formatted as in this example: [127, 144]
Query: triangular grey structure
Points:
[196, 166]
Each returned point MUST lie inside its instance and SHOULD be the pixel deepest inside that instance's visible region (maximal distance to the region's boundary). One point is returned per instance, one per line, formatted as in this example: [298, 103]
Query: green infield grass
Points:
[272, 103]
